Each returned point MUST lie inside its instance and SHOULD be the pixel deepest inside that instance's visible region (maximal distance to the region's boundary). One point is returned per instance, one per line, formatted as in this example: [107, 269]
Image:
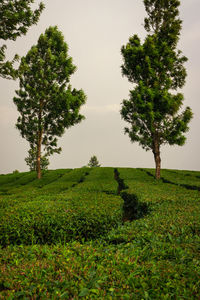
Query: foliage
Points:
[153, 257]
[71, 214]
[16, 17]
[31, 160]
[185, 179]
[47, 222]
[15, 172]
[156, 67]
[46, 102]
[93, 162]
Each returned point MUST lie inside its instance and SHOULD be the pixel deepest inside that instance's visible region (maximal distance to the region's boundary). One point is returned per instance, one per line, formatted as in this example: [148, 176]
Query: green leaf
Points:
[84, 292]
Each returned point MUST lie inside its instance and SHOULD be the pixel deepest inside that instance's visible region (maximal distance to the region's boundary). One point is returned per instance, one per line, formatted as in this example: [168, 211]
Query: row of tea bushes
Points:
[154, 257]
[51, 222]
[64, 210]
[150, 266]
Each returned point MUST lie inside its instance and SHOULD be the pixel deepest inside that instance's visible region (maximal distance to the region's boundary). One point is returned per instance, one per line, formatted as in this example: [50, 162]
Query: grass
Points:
[64, 237]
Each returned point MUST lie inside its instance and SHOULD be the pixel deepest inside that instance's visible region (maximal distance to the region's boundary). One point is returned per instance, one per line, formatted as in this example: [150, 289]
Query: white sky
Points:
[95, 31]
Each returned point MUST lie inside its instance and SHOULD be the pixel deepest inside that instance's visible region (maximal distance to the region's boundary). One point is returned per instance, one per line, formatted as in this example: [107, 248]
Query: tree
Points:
[31, 160]
[46, 102]
[93, 162]
[16, 16]
[156, 67]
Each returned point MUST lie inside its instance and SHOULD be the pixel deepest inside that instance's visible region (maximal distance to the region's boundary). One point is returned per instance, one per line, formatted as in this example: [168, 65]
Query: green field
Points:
[67, 236]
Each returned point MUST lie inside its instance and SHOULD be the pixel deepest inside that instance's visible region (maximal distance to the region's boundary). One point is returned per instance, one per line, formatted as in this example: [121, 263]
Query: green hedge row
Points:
[53, 221]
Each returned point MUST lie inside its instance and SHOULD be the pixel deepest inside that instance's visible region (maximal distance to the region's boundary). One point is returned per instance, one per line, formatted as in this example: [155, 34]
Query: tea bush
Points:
[44, 216]
[94, 255]
[52, 221]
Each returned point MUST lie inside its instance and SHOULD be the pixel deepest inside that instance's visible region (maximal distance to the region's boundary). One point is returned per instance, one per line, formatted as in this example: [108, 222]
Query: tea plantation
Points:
[75, 235]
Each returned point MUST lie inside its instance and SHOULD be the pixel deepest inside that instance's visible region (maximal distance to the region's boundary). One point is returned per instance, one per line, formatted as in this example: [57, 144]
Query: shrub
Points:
[49, 222]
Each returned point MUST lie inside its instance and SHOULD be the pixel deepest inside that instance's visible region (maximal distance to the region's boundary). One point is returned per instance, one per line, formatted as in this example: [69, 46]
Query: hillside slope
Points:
[64, 236]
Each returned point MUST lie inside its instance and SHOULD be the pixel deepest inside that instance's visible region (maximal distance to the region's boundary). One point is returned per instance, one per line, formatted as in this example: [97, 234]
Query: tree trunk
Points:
[158, 164]
[39, 141]
[39, 156]
[156, 152]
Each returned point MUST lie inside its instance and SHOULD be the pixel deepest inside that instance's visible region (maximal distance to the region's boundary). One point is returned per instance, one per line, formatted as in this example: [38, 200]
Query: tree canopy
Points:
[16, 16]
[156, 67]
[46, 101]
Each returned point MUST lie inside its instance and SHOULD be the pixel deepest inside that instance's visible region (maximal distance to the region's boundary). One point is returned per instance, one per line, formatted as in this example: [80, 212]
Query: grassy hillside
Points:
[66, 236]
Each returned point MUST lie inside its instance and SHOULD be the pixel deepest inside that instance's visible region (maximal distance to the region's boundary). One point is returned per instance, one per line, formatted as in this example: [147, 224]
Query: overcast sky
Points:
[95, 30]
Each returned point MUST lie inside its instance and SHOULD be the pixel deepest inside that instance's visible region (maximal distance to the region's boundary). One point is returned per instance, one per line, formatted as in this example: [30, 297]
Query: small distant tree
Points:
[46, 102]
[93, 162]
[31, 160]
[16, 16]
[15, 172]
[156, 68]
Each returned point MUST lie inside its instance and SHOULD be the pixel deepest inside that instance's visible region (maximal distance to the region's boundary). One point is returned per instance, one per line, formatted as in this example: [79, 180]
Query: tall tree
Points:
[46, 102]
[156, 67]
[16, 16]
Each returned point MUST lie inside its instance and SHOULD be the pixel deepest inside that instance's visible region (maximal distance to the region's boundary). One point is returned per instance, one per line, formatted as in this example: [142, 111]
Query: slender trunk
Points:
[158, 165]
[39, 141]
[156, 153]
[39, 155]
